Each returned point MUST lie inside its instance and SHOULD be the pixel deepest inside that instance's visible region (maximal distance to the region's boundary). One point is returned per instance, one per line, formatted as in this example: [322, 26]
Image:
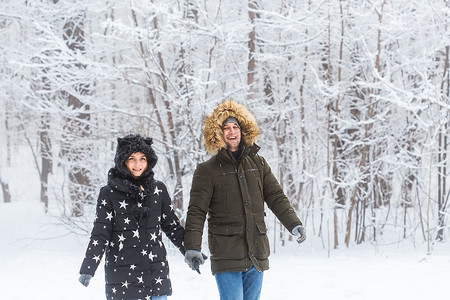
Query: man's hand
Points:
[194, 259]
[300, 232]
[85, 279]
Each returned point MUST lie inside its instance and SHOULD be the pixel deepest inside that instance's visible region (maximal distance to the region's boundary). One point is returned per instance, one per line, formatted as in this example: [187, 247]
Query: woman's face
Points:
[137, 164]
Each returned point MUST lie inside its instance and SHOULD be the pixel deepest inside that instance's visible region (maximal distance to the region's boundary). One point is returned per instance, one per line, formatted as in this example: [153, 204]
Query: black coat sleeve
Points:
[170, 223]
[101, 233]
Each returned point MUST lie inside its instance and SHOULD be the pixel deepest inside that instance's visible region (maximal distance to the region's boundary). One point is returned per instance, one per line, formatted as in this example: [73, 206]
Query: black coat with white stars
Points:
[128, 228]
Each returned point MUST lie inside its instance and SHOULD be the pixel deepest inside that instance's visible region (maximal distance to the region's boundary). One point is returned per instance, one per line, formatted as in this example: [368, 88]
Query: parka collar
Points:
[247, 151]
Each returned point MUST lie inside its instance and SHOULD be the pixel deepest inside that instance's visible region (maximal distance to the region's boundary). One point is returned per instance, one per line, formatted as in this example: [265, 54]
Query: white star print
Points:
[151, 256]
[121, 238]
[123, 204]
[109, 216]
[121, 221]
[157, 191]
[153, 237]
[148, 297]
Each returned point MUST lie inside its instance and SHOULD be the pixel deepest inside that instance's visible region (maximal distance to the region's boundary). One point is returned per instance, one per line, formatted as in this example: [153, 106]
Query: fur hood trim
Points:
[212, 125]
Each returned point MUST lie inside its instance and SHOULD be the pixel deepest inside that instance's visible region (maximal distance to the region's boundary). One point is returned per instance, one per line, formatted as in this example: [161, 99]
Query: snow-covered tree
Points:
[352, 99]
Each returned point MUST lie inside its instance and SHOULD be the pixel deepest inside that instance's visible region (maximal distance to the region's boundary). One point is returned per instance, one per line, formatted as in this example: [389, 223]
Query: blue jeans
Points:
[240, 285]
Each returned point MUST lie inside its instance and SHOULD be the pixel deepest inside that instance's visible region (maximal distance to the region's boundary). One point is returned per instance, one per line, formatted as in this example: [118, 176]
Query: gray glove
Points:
[194, 258]
[85, 279]
[300, 232]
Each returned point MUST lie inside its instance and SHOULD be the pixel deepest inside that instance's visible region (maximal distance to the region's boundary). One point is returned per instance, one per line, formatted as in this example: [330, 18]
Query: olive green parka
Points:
[232, 194]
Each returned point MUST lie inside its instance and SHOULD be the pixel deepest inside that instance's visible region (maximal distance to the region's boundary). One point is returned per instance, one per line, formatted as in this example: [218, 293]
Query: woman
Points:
[132, 210]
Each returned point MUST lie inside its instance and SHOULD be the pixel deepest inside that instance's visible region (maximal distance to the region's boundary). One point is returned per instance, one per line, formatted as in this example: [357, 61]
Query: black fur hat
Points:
[131, 144]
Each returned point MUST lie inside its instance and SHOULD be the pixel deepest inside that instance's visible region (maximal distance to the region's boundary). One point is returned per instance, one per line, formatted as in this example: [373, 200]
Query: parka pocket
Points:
[227, 242]
[262, 242]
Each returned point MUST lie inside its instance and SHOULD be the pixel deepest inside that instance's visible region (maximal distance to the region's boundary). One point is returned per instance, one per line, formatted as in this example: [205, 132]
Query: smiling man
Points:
[232, 188]
[231, 134]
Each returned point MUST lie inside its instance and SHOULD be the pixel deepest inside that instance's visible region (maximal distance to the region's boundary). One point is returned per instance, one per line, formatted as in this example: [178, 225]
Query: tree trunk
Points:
[339, 199]
[353, 199]
[5, 185]
[360, 197]
[5, 190]
[77, 127]
[443, 194]
[46, 162]
[169, 137]
[252, 5]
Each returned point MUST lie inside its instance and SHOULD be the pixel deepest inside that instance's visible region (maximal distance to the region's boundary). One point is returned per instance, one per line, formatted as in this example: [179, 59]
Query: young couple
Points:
[133, 210]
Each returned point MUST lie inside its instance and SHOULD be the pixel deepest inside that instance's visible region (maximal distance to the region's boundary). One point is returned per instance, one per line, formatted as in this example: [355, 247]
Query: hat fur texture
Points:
[212, 125]
[131, 144]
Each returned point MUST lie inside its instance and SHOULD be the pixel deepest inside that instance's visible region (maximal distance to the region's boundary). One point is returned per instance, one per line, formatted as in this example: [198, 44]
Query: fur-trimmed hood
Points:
[212, 125]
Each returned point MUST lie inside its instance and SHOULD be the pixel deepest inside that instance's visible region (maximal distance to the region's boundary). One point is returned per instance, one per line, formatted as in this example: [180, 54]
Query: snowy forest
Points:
[352, 98]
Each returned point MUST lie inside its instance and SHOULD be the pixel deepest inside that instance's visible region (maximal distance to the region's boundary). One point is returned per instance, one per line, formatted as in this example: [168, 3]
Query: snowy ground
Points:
[40, 260]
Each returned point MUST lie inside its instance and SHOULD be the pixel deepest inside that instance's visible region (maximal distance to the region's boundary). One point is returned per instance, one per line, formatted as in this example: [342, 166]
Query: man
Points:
[232, 188]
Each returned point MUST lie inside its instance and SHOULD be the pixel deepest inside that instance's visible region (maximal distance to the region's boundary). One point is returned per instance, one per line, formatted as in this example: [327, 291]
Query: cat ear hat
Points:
[131, 144]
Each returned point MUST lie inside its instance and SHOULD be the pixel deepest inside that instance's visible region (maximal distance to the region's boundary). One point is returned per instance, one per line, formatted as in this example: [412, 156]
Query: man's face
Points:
[231, 136]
